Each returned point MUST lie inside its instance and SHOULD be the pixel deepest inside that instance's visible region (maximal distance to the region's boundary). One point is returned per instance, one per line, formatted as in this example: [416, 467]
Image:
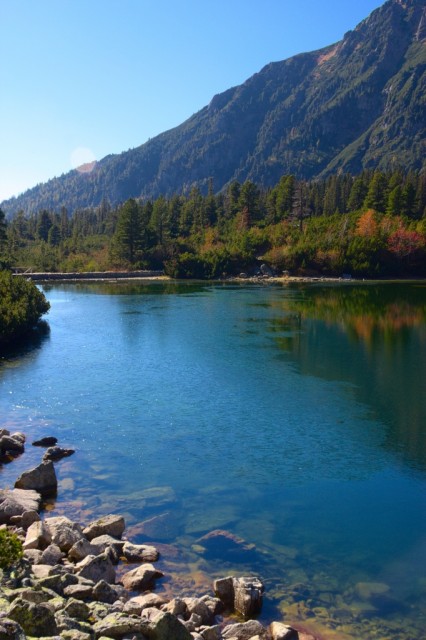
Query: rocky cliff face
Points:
[356, 104]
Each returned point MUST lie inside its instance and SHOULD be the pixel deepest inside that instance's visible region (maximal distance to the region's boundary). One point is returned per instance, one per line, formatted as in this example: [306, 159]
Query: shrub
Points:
[10, 549]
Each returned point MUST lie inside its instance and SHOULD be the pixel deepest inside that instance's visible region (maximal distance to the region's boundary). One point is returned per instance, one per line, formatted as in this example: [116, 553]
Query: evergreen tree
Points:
[376, 195]
[127, 237]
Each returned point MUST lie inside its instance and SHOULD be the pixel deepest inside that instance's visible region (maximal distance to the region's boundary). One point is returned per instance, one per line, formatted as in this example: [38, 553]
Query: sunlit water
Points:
[292, 417]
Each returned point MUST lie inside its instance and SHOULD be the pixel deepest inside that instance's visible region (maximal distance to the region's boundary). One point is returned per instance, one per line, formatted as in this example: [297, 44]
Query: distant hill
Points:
[360, 103]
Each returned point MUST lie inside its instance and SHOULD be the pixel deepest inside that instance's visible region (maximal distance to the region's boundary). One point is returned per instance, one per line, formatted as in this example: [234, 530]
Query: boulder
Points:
[35, 619]
[248, 595]
[244, 630]
[136, 605]
[105, 592]
[47, 441]
[33, 555]
[81, 549]
[108, 543]
[41, 478]
[52, 555]
[38, 536]
[15, 502]
[117, 625]
[57, 453]
[11, 445]
[76, 609]
[139, 552]
[11, 630]
[224, 590]
[65, 533]
[280, 631]
[243, 595]
[111, 525]
[200, 608]
[97, 568]
[78, 591]
[28, 517]
[142, 578]
[165, 626]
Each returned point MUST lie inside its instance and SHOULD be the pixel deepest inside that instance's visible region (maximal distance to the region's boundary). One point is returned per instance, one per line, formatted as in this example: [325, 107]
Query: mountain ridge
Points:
[355, 104]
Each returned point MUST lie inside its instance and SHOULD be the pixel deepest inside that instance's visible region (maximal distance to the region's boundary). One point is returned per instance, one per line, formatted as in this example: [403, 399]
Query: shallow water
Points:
[293, 417]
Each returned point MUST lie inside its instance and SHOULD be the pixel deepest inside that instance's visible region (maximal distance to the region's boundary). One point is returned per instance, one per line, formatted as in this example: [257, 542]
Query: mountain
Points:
[359, 103]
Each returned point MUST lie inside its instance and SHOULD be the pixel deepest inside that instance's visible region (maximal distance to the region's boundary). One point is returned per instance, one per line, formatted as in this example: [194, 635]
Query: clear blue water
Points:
[293, 417]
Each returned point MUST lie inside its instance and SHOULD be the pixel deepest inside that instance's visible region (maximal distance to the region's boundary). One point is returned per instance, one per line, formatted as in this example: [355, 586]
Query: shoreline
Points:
[148, 276]
[87, 581]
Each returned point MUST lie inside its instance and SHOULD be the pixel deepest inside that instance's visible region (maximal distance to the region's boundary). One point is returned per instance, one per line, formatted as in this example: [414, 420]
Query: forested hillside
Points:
[371, 225]
[357, 104]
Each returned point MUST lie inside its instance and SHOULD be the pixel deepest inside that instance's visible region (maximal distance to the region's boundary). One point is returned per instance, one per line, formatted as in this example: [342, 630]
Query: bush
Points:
[21, 306]
[10, 549]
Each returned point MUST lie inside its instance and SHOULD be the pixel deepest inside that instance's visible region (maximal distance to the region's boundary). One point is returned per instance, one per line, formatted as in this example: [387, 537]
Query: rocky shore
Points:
[88, 581]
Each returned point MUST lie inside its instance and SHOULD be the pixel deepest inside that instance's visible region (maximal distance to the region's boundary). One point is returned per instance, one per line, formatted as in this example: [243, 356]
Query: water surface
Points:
[293, 417]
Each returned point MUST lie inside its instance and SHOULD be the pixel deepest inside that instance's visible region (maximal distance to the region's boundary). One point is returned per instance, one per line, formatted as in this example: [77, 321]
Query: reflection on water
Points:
[290, 418]
[358, 333]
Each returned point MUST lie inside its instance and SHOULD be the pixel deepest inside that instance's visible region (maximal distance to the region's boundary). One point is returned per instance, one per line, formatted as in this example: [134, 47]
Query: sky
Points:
[80, 79]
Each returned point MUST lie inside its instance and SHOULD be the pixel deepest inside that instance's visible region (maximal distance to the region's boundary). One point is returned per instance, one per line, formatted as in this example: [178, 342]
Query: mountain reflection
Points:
[371, 336]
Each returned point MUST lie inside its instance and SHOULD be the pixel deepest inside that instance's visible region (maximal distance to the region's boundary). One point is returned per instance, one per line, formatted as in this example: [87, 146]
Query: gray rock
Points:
[16, 501]
[47, 441]
[78, 591]
[177, 607]
[111, 525]
[243, 595]
[142, 578]
[165, 626]
[57, 453]
[224, 590]
[136, 605]
[280, 631]
[65, 533]
[38, 536]
[35, 619]
[248, 595]
[33, 555]
[81, 549]
[77, 609]
[200, 608]
[139, 552]
[28, 518]
[97, 568]
[211, 633]
[75, 634]
[108, 543]
[11, 630]
[52, 555]
[41, 478]
[244, 630]
[117, 625]
[12, 445]
[105, 592]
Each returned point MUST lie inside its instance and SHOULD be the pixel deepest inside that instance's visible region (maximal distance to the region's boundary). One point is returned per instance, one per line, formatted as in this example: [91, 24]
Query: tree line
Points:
[373, 224]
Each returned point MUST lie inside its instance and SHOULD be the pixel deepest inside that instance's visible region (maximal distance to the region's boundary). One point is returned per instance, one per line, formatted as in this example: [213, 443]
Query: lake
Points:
[286, 421]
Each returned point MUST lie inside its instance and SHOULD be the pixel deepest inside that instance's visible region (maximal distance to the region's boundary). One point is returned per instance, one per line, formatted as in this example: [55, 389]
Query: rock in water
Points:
[42, 478]
[47, 441]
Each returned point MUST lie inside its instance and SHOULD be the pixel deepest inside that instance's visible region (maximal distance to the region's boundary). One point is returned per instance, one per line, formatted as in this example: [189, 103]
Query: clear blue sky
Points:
[80, 79]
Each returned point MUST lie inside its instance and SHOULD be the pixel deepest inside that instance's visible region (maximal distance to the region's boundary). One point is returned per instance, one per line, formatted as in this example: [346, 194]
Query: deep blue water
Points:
[293, 417]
